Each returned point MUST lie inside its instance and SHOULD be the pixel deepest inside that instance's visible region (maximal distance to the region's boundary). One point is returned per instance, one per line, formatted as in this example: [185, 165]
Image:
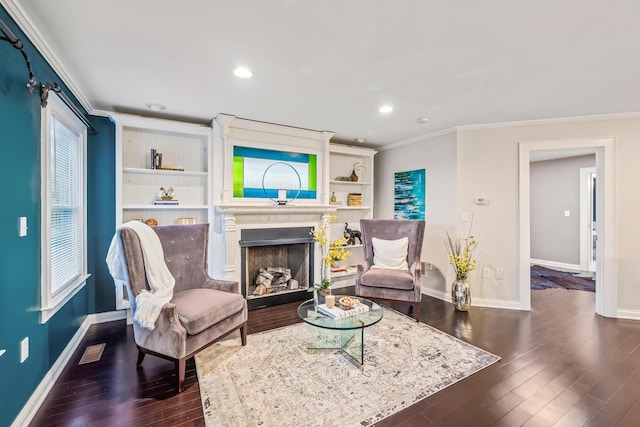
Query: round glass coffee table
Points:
[346, 333]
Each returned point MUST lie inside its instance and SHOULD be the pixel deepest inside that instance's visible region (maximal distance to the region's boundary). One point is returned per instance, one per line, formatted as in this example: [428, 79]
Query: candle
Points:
[330, 301]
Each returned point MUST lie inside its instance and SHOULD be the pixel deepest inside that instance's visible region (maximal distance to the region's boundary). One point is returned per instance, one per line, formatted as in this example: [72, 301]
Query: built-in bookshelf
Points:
[185, 167]
[353, 200]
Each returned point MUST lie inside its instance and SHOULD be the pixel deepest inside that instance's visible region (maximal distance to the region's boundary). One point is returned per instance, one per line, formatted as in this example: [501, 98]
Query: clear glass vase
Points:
[461, 295]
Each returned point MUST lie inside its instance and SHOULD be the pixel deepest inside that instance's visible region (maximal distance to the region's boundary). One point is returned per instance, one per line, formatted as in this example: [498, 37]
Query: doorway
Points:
[606, 290]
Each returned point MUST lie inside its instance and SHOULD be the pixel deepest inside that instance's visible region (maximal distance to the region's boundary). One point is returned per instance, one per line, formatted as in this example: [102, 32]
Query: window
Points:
[64, 249]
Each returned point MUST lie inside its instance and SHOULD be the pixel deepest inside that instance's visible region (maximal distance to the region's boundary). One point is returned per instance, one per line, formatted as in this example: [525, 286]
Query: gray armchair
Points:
[391, 284]
[202, 309]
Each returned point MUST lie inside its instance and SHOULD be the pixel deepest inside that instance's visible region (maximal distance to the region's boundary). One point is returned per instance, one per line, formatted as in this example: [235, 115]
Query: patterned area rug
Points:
[547, 278]
[276, 381]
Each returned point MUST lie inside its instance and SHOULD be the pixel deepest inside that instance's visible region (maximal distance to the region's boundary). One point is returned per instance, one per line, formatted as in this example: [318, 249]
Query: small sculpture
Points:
[351, 235]
[166, 194]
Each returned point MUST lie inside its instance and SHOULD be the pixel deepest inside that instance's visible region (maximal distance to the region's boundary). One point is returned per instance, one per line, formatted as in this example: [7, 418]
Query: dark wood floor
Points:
[561, 365]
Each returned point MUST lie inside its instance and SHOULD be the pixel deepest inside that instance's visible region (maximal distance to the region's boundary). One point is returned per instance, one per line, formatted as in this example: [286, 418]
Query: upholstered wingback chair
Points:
[391, 282]
[202, 309]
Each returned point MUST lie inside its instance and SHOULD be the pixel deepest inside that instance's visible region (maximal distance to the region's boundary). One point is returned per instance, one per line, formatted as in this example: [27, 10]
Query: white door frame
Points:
[606, 269]
[586, 223]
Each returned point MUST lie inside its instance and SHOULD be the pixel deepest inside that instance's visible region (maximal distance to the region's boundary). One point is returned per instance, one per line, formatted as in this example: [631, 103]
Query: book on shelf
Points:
[354, 199]
[170, 168]
[338, 269]
[340, 313]
[187, 221]
[165, 202]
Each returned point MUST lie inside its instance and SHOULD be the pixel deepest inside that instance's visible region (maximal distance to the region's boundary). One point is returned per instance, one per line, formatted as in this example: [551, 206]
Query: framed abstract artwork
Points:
[409, 193]
[261, 173]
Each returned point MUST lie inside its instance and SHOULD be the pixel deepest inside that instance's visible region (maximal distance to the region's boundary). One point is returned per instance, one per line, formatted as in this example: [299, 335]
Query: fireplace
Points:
[277, 265]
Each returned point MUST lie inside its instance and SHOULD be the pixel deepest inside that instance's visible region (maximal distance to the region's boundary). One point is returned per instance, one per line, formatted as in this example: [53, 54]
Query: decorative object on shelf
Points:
[285, 178]
[460, 253]
[330, 252]
[333, 197]
[166, 194]
[351, 235]
[409, 195]
[151, 222]
[354, 199]
[356, 168]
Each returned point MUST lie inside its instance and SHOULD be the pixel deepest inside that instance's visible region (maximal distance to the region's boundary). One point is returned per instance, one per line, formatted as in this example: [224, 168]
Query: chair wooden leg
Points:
[180, 368]
[243, 333]
[416, 311]
[141, 355]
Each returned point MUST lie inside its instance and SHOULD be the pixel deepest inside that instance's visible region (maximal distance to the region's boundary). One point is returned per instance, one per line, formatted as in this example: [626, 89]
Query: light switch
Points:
[567, 213]
[23, 226]
[466, 216]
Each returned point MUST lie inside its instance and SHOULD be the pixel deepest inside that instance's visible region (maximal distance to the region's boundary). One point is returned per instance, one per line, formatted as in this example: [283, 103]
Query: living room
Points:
[474, 156]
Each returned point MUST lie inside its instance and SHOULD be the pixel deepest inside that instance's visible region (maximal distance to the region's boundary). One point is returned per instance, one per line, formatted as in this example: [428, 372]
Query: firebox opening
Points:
[277, 265]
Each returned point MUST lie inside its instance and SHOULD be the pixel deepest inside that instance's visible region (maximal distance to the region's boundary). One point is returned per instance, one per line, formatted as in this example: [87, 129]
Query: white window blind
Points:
[66, 209]
[64, 259]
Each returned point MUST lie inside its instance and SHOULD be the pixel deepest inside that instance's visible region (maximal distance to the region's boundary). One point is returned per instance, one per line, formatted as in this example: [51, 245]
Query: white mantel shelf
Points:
[275, 209]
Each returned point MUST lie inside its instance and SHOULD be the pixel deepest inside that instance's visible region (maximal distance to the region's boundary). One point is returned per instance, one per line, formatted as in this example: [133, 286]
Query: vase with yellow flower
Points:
[460, 251]
[331, 252]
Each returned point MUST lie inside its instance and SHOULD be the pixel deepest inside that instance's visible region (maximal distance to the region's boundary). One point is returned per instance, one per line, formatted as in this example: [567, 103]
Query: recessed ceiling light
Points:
[243, 73]
[156, 107]
[424, 120]
[385, 109]
[361, 140]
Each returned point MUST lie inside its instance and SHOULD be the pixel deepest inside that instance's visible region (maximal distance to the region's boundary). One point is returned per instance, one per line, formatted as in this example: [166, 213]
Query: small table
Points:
[346, 334]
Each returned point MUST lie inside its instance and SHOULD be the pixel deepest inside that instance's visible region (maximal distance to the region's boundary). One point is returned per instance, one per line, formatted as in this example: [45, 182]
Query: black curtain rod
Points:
[8, 36]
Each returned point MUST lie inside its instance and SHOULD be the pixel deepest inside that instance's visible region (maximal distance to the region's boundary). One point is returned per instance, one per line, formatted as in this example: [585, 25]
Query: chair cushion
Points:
[199, 308]
[391, 279]
[390, 254]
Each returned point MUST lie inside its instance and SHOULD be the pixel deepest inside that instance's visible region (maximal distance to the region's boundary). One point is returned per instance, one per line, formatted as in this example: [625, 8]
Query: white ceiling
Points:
[329, 65]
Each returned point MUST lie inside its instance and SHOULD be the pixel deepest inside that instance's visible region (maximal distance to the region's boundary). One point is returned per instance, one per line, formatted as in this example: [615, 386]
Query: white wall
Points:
[555, 188]
[488, 165]
[438, 157]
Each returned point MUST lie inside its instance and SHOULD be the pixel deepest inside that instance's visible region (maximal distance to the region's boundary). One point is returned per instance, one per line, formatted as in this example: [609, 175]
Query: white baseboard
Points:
[41, 392]
[555, 264]
[479, 302]
[629, 314]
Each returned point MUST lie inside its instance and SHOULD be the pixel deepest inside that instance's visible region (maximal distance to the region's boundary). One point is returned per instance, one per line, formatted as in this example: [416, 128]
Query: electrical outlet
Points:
[24, 349]
[499, 273]
[486, 272]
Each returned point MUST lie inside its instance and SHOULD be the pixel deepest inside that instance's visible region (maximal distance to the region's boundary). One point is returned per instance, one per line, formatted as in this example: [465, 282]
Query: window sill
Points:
[51, 307]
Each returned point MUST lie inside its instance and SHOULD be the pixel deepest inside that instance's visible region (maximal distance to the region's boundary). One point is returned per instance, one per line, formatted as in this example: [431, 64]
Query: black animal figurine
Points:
[351, 235]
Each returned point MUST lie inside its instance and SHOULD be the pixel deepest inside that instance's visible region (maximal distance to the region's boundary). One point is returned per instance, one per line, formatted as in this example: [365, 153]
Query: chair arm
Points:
[363, 266]
[168, 337]
[222, 285]
[414, 269]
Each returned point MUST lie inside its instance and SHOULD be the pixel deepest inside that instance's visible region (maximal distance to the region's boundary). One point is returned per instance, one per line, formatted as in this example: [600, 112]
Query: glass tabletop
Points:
[308, 313]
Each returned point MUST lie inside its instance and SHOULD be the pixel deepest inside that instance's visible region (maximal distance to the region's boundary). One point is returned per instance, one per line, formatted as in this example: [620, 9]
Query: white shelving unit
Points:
[341, 162]
[183, 145]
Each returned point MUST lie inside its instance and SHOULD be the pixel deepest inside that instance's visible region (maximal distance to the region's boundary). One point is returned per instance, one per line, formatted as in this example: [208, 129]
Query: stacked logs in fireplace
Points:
[274, 279]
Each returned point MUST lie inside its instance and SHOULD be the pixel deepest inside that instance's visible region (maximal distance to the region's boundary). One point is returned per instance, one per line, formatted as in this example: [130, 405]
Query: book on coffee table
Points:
[337, 312]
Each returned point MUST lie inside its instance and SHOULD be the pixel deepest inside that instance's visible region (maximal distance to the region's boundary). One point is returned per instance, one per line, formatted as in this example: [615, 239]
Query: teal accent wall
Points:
[20, 256]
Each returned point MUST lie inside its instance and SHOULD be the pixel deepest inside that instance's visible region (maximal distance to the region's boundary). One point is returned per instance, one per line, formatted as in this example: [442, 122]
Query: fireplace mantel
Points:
[291, 209]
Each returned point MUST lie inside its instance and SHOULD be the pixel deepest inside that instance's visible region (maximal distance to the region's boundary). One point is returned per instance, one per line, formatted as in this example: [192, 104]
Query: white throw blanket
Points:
[160, 279]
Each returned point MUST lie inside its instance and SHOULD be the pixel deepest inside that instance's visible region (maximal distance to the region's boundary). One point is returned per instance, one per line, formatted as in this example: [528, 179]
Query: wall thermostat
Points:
[481, 200]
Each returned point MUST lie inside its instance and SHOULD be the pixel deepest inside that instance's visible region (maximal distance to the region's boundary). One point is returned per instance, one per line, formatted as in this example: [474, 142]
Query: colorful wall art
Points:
[409, 192]
[260, 173]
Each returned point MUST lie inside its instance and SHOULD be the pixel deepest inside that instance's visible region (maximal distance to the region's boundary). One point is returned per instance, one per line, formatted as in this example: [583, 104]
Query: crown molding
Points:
[560, 120]
[415, 139]
[25, 24]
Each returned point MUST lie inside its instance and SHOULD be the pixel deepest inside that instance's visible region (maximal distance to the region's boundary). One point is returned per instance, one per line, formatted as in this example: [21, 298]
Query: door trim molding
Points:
[606, 268]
